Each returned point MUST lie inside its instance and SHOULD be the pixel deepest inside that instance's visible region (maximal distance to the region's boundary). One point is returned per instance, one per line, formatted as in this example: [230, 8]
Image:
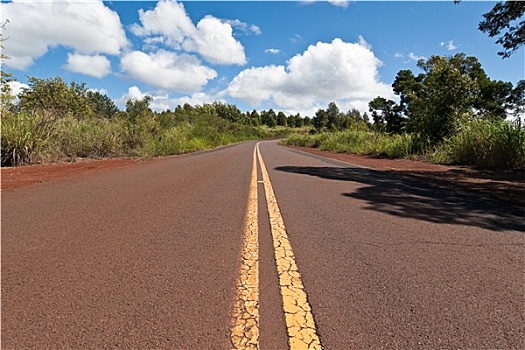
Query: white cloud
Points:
[244, 27]
[17, 87]
[273, 51]
[212, 38]
[415, 57]
[215, 42]
[162, 101]
[336, 71]
[450, 45]
[410, 57]
[167, 70]
[296, 39]
[96, 66]
[89, 27]
[339, 3]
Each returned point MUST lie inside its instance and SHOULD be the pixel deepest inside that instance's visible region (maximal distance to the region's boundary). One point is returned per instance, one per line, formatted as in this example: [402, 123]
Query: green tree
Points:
[53, 95]
[101, 104]
[387, 115]
[6, 78]
[503, 18]
[281, 119]
[516, 101]
[450, 89]
[255, 118]
[320, 121]
[269, 118]
[228, 112]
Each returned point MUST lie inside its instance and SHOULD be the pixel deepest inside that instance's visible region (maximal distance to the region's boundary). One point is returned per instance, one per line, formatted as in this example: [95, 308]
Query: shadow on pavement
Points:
[413, 196]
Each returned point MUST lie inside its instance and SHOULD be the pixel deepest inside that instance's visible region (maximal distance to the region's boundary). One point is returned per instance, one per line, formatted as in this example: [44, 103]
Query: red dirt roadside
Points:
[13, 177]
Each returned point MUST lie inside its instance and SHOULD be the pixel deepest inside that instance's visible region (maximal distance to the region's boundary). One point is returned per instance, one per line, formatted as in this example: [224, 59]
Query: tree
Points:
[6, 78]
[228, 112]
[269, 118]
[255, 118]
[332, 114]
[516, 101]
[320, 121]
[451, 88]
[502, 18]
[281, 119]
[54, 96]
[101, 104]
[387, 115]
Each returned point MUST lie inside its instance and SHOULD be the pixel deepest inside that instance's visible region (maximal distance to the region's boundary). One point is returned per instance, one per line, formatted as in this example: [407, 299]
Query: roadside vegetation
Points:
[451, 113]
[52, 120]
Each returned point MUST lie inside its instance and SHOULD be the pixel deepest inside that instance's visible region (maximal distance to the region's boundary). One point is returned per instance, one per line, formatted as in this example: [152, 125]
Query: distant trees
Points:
[332, 119]
[55, 96]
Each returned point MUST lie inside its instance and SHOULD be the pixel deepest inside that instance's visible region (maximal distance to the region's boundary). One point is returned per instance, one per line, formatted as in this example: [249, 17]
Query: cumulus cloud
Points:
[336, 71]
[161, 101]
[167, 70]
[212, 38]
[96, 66]
[89, 27]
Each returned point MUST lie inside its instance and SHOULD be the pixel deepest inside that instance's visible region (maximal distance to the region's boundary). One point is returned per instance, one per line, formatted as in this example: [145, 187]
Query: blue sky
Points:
[293, 56]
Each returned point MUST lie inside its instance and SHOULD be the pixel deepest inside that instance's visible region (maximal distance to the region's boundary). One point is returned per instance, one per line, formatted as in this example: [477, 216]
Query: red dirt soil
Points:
[507, 185]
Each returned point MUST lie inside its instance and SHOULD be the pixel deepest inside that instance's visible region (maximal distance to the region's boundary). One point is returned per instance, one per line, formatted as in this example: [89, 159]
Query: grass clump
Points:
[357, 140]
[25, 137]
[493, 144]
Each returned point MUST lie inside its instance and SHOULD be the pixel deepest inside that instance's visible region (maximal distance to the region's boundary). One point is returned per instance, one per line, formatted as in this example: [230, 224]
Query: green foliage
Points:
[449, 91]
[88, 138]
[6, 96]
[332, 119]
[101, 105]
[485, 143]
[387, 115]
[60, 121]
[54, 96]
[502, 18]
[25, 137]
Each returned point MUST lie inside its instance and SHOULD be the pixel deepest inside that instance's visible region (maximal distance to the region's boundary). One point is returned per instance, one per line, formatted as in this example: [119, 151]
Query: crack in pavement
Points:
[245, 318]
[302, 333]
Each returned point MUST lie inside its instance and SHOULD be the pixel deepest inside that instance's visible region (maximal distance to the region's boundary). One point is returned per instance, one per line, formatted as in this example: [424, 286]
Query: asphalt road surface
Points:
[149, 257]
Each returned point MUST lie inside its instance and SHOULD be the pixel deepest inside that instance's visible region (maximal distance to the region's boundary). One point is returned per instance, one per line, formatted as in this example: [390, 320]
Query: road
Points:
[265, 246]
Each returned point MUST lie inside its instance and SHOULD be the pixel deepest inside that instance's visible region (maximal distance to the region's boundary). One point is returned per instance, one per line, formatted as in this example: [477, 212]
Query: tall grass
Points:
[481, 143]
[36, 137]
[485, 144]
[25, 137]
[359, 140]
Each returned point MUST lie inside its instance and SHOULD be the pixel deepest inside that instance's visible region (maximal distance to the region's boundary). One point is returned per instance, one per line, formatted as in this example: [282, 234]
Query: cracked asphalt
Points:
[150, 256]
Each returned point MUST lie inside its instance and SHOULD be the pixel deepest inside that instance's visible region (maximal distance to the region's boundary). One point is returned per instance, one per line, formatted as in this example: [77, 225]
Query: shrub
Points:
[25, 137]
[486, 144]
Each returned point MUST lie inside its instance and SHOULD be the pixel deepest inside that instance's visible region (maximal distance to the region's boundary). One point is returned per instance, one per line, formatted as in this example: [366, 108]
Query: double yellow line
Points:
[300, 325]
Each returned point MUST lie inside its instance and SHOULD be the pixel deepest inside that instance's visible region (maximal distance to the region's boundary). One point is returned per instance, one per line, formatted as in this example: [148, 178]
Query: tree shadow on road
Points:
[418, 197]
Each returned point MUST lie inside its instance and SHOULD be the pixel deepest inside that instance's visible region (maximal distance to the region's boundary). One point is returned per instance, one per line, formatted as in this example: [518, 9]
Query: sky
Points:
[294, 56]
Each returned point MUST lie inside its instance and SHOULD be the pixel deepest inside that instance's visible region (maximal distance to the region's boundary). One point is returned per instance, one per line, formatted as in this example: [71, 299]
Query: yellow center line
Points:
[245, 324]
[300, 325]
